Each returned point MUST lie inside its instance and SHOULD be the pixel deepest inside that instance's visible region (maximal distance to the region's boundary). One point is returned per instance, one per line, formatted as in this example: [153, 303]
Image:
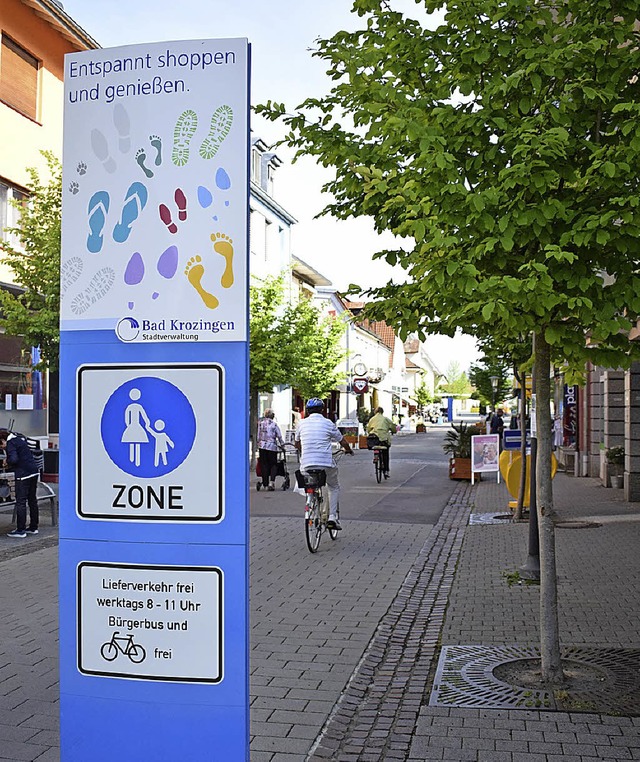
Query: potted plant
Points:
[615, 459]
[457, 443]
[420, 426]
[364, 416]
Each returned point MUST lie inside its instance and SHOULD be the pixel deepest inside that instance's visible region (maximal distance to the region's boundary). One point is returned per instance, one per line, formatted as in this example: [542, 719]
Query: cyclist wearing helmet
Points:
[314, 436]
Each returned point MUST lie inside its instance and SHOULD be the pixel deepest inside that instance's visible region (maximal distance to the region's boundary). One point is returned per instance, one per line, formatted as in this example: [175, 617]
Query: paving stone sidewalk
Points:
[385, 715]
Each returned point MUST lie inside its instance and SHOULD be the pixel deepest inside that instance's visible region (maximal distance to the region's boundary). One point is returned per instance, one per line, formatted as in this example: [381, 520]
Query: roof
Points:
[410, 365]
[54, 14]
[384, 332]
[308, 273]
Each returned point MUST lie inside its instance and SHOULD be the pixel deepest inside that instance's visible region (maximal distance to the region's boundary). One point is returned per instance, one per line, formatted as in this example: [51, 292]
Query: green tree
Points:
[34, 311]
[505, 144]
[291, 344]
[480, 376]
[457, 383]
[422, 397]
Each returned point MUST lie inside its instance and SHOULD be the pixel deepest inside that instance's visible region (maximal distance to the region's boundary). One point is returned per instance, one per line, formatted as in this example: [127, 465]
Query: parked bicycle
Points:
[123, 644]
[316, 511]
[374, 444]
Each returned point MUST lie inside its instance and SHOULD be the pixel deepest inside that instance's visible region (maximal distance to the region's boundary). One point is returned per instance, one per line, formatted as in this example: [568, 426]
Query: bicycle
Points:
[316, 511]
[134, 651]
[374, 444]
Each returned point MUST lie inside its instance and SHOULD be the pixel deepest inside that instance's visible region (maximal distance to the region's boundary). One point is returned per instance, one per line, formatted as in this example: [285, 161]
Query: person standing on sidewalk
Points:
[20, 460]
[383, 428]
[269, 442]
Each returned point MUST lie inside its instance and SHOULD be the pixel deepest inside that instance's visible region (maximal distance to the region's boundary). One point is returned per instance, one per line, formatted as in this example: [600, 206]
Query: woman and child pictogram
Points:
[138, 427]
[134, 202]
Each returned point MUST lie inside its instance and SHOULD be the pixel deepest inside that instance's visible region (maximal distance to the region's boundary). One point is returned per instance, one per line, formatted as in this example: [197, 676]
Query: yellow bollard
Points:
[510, 470]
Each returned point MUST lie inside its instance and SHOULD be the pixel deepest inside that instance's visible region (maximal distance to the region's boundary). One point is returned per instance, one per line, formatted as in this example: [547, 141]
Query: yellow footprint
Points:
[194, 272]
[223, 245]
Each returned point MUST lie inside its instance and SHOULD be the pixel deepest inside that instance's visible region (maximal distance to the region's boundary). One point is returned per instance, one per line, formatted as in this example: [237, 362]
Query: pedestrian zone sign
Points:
[150, 442]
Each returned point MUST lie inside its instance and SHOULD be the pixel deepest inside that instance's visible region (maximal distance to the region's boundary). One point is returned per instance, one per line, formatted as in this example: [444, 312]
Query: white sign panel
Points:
[485, 453]
[150, 622]
[155, 191]
[150, 442]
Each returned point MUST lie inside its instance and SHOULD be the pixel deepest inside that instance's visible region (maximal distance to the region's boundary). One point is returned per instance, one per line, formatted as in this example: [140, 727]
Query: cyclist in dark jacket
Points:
[20, 460]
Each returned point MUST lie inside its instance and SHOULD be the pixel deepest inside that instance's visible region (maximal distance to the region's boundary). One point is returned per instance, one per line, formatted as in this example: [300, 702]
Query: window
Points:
[9, 214]
[255, 165]
[18, 78]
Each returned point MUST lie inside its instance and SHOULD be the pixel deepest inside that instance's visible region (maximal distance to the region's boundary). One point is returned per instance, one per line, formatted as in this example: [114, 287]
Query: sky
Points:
[282, 34]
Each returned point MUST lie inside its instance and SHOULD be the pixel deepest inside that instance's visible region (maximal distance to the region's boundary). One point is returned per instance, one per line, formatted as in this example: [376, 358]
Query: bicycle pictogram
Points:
[123, 644]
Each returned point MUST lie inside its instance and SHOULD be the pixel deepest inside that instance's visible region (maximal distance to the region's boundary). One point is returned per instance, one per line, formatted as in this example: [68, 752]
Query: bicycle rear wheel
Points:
[378, 466]
[313, 527]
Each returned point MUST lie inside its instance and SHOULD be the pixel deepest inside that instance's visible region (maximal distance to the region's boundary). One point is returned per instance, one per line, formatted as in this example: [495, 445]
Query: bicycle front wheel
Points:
[378, 466]
[109, 651]
[313, 527]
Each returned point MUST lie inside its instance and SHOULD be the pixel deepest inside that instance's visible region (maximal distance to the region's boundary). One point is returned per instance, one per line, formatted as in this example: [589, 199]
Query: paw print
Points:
[74, 188]
[81, 169]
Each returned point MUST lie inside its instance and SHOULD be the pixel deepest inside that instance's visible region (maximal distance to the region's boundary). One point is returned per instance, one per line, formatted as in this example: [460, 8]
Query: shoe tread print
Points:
[221, 122]
[185, 129]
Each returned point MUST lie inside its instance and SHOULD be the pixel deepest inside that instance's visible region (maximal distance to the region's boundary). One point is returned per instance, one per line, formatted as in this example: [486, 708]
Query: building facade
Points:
[35, 36]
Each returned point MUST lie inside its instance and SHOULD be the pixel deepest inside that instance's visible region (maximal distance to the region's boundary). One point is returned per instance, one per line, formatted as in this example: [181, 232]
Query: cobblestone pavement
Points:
[599, 576]
[344, 643]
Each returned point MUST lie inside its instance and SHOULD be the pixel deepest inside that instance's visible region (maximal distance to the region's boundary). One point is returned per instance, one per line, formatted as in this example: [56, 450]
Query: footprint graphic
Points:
[97, 210]
[141, 157]
[97, 288]
[74, 188]
[70, 271]
[81, 169]
[223, 181]
[165, 216]
[184, 130]
[205, 198]
[122, 124]
[168, 262]
[100, 148]
[134, 202]
[181, 203]
[221, 122]
[194, 272]
[224, 246]
[134, 272]
[156, 143]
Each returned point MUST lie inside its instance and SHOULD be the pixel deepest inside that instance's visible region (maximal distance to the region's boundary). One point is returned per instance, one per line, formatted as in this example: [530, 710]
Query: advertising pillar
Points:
[154, 404]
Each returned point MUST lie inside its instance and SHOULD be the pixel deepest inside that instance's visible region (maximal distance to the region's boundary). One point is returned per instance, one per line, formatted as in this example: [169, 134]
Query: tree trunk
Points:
[549, 632]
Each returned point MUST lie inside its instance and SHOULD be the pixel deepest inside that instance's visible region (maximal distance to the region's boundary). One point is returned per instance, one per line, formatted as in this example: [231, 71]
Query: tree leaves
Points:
[508, 141]
[291, 344]
[34, 314]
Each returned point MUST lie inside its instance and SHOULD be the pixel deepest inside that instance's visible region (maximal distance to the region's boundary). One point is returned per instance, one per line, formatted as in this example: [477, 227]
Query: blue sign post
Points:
[512, 439]
[154, 379]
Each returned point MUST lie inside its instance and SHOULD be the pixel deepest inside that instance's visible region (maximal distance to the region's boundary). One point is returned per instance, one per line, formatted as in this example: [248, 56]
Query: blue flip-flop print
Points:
[97, 210]
[134, 202]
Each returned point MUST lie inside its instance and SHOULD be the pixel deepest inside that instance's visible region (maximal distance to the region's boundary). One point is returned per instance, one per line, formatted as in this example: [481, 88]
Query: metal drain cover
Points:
[605, 680]
[490, 518]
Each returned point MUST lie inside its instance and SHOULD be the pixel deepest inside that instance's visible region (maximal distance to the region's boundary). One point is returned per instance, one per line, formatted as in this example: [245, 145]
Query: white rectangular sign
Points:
[150, 622]
[150, 442]
[155, 191]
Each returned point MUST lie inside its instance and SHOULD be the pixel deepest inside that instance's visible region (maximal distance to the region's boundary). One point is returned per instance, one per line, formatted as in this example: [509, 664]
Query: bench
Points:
[44, 492]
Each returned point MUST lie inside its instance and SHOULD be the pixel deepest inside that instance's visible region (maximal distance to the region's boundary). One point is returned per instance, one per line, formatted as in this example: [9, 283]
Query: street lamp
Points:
[494, 385]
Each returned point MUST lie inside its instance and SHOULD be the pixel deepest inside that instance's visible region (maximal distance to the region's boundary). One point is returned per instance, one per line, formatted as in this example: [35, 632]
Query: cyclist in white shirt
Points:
[315, 435]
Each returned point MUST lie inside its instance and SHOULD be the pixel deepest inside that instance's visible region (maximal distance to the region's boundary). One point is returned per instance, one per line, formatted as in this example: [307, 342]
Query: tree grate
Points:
[603, 680]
